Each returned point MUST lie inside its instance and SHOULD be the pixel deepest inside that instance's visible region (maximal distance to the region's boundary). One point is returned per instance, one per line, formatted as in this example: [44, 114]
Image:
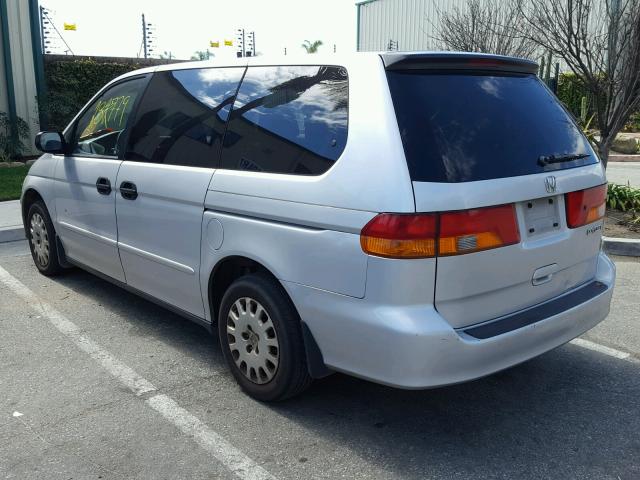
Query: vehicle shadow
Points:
[571, 413]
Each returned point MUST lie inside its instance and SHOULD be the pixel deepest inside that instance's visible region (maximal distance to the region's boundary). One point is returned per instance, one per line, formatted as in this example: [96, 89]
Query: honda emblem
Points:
[550, 184]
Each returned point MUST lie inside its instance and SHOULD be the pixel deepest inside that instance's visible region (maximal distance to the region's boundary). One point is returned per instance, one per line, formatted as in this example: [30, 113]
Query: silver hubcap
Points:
[252, 340]
[39, 239]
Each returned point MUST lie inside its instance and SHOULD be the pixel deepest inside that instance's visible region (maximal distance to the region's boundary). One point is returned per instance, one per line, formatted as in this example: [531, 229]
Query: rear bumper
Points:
[414, 347]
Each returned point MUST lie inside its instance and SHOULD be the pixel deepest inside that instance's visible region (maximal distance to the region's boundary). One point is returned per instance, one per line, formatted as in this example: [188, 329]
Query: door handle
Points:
[544, 274]
[128, 190]
[103, 185]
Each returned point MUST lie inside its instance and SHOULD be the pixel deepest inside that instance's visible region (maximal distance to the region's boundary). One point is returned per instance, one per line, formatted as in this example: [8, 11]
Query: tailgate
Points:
[549, 260]
[480, 132]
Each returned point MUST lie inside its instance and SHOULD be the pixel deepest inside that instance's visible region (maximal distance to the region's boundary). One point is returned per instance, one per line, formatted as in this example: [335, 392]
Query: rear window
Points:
[465, 127]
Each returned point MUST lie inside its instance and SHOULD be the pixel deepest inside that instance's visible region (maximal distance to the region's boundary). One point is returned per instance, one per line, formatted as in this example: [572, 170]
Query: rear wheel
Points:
[261, 339]
[42, 239]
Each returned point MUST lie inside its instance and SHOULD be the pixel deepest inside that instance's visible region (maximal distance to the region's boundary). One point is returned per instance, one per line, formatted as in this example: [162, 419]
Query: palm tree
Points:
[312, 47]
[201, 55]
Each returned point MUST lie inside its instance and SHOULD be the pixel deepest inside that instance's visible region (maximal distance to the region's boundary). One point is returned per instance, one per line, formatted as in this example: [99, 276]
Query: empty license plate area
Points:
[541, 216]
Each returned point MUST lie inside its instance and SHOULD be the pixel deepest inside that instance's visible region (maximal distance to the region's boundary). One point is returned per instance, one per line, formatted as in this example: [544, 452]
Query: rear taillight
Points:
[468, 231]
[430, 234]
[400, 236]
[585, 206]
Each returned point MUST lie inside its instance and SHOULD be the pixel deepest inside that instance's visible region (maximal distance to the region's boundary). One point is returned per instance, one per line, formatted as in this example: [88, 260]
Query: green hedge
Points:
[570, 92]
[71, 83]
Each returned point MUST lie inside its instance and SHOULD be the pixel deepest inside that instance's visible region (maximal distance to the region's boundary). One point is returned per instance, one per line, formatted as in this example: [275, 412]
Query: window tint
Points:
[288, 120]
[99, 130]
[464, 127]
[181, 118]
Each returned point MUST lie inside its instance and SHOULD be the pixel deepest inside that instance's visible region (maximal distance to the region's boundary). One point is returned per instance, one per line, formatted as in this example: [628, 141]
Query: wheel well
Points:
[232, 268]
[225, 273]
[28, 199]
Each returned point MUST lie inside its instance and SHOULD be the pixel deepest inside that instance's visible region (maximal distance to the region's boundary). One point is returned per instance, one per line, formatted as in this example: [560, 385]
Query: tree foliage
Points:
[312, 47]
[201, 55]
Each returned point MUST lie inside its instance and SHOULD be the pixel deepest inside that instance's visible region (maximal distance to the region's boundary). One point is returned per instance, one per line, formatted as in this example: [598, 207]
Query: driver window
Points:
[99, 130]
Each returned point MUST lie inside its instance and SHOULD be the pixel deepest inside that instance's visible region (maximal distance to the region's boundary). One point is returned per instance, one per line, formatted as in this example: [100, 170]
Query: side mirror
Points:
[50, 142]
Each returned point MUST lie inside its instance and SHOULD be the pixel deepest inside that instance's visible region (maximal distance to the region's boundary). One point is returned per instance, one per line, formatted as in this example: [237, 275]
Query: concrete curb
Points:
[628, 247]
[621, 157]
[11, 234]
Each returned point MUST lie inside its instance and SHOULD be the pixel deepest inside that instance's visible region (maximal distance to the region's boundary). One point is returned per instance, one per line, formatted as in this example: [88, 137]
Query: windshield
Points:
[464, 127]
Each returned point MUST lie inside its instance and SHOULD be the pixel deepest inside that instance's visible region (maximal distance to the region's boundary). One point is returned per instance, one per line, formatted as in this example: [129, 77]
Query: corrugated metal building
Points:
[410, 24]
[20, 61]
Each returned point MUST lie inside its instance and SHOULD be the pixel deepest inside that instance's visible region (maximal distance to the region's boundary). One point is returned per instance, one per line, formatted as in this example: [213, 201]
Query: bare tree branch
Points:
[599, 40]
[490, 26]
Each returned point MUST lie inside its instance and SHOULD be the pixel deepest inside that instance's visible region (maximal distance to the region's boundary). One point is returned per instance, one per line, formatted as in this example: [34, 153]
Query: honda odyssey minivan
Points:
[414, 219]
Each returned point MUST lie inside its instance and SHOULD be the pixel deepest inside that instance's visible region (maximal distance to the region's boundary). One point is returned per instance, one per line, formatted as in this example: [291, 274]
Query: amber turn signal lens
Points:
[400, 236]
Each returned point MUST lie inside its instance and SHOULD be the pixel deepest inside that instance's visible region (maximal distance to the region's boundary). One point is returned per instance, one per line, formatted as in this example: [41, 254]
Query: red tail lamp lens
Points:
[452, 233]
[400, 236]
[585, 206]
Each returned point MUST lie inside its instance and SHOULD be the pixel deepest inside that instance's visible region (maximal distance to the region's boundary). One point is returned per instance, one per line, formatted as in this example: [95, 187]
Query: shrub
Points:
[623, 197]
[570, 92]
[633, 125]
[12, 137]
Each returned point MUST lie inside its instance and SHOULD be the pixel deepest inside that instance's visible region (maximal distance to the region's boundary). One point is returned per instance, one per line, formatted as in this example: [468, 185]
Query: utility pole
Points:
[147, 37]
[144, 36]
[51, 33]
[246, 43]
[241, 46]
[42, 27]
[251, 45]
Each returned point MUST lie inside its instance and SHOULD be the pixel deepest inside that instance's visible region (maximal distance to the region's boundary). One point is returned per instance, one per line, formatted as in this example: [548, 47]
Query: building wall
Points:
[22, 66]
[412, 23]
[4, 94]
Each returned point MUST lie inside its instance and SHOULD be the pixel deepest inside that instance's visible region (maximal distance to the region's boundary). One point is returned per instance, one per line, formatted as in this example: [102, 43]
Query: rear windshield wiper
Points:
[544, 160]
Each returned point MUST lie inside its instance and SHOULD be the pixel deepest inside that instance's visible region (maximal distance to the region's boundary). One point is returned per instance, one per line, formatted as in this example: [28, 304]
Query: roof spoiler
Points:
[457, 61]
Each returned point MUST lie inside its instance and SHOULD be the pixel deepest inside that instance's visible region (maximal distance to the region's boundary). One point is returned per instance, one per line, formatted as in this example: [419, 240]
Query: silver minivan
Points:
[414, 219]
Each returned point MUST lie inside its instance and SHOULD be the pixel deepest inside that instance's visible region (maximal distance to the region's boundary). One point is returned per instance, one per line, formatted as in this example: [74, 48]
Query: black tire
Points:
[291, 376]
[37, 237]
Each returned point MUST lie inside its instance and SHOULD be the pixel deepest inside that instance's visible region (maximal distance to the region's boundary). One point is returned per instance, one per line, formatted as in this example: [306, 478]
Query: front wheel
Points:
[261, 339]
[42, 239]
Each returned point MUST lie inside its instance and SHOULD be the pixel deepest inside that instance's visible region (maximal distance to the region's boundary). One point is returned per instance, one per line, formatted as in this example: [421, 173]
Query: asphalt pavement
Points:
[624, 173]
[98, 383]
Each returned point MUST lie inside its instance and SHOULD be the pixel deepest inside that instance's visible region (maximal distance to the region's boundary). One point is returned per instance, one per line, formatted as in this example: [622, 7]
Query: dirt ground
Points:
[619, 224]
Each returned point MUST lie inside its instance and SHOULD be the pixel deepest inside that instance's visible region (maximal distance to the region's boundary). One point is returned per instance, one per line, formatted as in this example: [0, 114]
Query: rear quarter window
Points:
[288, 119]
[460, 127]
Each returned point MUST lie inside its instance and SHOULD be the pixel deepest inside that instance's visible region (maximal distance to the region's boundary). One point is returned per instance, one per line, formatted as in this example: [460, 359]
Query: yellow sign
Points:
[215, 44]
[70, 26]
[228, 43]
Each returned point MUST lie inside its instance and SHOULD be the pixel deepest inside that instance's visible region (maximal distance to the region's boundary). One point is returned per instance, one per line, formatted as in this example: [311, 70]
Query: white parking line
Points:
[223, 451]
[596, 347]
[227, 454]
